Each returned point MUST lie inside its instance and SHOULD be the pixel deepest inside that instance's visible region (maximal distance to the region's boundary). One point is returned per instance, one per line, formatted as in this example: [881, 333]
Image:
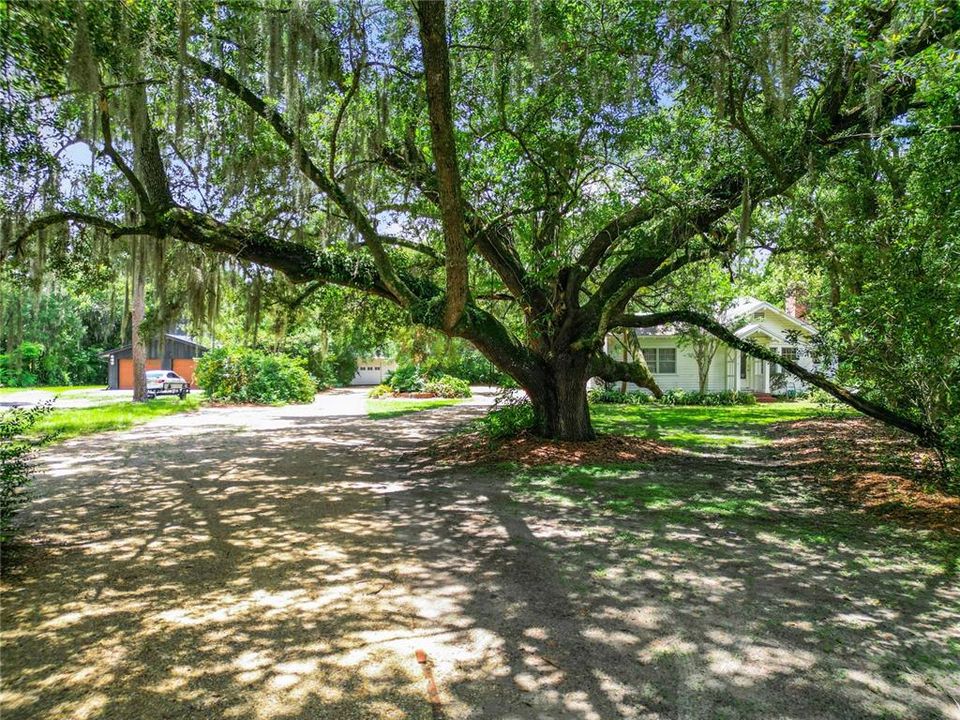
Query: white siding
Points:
[686, 377]
[723, 368]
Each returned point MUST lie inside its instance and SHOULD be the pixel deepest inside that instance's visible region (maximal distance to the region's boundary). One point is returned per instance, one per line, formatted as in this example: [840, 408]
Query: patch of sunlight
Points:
[381, 409]
[730, 507]
[672, 644]
[745, 667]
[89, 707]
[697, 439]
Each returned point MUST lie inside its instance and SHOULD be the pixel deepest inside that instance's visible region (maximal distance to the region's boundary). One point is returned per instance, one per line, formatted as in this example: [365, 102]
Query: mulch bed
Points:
[528, 450]
[870, 466]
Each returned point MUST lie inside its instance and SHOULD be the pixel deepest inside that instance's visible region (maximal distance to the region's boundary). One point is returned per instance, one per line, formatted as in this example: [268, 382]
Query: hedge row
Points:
[672, 397]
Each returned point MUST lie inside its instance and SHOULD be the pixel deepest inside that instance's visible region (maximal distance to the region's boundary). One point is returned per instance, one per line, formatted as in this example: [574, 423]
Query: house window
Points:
[743, 365]
[791, 354]
[667, 361]
[661, 361]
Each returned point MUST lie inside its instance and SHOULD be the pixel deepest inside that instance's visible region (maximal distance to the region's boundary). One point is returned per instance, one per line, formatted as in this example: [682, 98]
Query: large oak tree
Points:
[520, 175]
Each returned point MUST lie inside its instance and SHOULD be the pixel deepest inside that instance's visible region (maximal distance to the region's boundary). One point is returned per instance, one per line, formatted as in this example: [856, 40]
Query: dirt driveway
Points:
[280, 563]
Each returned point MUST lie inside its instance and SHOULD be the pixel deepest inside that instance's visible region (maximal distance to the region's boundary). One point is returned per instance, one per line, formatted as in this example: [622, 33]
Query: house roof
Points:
[169, 336]
[747, 305]
[660, 330]
[758, 328]
[740, 309]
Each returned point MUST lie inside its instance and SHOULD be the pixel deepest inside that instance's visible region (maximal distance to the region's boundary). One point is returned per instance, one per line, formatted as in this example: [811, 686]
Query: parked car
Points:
[166, 382]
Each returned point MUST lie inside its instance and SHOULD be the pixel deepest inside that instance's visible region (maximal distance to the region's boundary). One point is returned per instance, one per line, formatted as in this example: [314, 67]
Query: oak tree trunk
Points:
[559, 399]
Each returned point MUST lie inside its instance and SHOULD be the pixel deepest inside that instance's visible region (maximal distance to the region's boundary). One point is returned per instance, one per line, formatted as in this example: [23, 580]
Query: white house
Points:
[674, 366]
[373, 370]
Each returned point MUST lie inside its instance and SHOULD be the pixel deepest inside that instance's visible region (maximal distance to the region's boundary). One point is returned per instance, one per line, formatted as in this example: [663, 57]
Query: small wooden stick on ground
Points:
[432, 693]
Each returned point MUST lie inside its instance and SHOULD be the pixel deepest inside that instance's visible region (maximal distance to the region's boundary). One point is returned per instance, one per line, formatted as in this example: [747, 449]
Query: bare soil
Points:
[280, 563]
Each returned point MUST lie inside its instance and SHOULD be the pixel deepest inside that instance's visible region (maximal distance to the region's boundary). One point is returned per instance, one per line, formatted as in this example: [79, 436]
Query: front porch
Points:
[746, 373]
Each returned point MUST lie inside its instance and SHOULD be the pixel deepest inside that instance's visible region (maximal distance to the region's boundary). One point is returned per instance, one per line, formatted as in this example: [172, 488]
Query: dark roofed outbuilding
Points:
[176, 352]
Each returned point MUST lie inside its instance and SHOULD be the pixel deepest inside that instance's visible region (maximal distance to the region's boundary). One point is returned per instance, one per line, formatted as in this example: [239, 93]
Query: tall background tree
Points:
[521, 176]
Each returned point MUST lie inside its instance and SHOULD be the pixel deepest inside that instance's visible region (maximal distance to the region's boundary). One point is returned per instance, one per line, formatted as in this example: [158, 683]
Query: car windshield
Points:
[155, 373]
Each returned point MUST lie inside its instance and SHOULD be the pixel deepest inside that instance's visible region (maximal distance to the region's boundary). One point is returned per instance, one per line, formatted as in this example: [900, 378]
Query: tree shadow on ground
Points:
[283, 563]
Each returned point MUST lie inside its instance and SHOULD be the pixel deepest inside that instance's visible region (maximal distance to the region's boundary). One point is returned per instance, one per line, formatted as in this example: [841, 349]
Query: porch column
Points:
[766, 376]
[736, 370]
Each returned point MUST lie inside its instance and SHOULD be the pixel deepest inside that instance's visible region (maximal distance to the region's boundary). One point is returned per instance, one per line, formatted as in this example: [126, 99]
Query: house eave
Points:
[169, 336]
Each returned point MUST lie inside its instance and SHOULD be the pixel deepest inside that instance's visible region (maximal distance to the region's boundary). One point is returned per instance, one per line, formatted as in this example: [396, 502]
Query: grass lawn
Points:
[669, 493]
[745, 540]
[55, 389]
[70, 422]
[379, 409]
[703, 427]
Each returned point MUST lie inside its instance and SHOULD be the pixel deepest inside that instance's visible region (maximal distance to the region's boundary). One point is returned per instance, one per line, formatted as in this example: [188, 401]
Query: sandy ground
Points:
[280, 563]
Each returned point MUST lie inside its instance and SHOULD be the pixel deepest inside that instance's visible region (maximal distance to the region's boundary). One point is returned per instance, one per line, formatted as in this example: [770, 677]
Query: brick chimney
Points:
[795, 302]
[790, 305]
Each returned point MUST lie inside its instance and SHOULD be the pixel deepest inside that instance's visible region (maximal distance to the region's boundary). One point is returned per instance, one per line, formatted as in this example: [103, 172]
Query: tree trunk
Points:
[136, 318]
[559, 400]
[625, 358]
[703, 369]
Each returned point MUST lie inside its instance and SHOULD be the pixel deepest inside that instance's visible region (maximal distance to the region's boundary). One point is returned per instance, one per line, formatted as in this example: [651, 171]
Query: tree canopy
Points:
[526, 176]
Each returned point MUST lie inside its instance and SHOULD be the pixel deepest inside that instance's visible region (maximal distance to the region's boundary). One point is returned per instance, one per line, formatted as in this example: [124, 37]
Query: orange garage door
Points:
[126, 371]
[184, 367]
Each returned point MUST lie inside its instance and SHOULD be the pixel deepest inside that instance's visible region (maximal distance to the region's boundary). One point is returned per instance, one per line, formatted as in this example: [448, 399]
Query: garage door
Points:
[367, 375]
[126, 374]
[184, 367]
[125, 377]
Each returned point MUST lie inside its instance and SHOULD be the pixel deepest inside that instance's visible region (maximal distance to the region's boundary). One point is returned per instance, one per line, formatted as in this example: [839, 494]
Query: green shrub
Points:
[405, 379]
[467, 364]
[447, 386]
[507, 421]
[15, 468]
[511, 415]
[252, 376]
[324, 377]
[821, 397]
[330, 363]
[715, 399]
[380, 391]
[611, 396]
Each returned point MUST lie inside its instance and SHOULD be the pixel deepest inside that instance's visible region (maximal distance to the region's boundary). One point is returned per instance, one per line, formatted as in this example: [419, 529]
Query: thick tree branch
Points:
[491, 240]
[325, 184]
[299, 262]
[110, 151]
[436, 64]
[927, 434]
[56, 218]
[599, 245]
[606, 368]
[147, 162]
